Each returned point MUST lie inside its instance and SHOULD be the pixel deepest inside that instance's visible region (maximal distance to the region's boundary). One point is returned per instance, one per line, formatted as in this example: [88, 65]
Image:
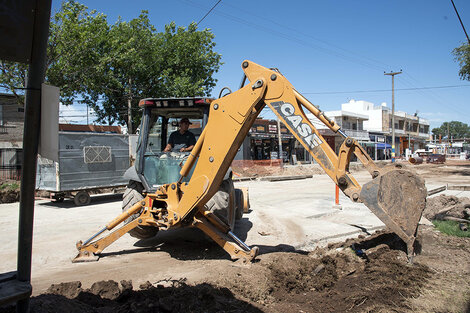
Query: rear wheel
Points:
[132, 195]
[223, 205]
[82, 198]
[239, 200]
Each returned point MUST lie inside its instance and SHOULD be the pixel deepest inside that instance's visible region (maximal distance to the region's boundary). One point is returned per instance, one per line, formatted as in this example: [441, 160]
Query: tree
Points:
[78, 39]
[75, 36]
[453, 129]
[13, 78]
[462, 55]
[111, 67]
[144, 63]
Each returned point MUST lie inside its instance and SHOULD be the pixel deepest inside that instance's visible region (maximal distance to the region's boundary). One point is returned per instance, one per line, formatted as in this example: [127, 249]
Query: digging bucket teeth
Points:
[397, 198]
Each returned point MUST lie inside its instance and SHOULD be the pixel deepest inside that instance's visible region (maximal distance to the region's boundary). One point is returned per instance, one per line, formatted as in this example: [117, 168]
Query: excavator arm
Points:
[395, 195]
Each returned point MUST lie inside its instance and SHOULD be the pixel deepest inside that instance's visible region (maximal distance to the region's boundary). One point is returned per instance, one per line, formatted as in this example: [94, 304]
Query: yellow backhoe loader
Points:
[397, 196]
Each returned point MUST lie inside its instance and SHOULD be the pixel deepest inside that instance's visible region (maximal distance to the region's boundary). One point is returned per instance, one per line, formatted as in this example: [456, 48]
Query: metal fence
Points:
[10, 163]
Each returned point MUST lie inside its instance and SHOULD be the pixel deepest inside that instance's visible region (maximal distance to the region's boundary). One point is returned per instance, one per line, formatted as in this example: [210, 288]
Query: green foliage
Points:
[78, 39]
[462, 55]
[108, 65]
[450, 228]
[454, 129]
[13, 78]
[9, 186]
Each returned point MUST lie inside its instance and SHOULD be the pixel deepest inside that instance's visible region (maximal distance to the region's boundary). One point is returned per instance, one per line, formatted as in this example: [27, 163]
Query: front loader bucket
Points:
[398, 199]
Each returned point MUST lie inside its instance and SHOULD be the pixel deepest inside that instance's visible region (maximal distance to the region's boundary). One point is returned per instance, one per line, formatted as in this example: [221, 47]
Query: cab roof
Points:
[176, 102]
[190, 107]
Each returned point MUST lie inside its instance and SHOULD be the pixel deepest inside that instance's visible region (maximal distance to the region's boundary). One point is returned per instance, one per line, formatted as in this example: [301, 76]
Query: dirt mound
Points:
[360, 275]
[9, 191]
[9, 196]
[437, 206]
[107, 296]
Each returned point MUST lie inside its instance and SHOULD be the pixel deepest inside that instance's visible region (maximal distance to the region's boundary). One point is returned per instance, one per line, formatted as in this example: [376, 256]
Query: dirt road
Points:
[289, 221]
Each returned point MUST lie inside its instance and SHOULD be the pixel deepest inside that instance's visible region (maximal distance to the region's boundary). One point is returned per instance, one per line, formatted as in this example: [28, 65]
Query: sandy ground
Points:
[289, 221]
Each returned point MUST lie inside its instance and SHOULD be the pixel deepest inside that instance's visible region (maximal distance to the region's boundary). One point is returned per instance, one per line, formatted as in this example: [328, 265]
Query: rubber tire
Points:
[239, 202]
[82, 198]
[58, 199]
[131, 196]
[223, 205]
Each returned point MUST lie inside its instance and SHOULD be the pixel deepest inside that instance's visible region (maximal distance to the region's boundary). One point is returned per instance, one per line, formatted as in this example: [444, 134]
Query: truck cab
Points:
[153, 167]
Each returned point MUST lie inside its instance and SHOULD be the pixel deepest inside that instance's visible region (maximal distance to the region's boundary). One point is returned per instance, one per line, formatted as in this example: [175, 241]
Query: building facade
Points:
[411, 131]
[11, 137]
[351, 123]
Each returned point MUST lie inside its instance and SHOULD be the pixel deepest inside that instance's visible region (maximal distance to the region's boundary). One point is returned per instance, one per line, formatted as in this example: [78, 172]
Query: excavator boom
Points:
[395, 195]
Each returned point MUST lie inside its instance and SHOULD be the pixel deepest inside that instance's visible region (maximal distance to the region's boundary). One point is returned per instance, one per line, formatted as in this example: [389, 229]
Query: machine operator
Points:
[181, 140]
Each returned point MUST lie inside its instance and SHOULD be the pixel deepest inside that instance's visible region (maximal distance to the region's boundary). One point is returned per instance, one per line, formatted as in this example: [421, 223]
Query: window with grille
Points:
[97, 154]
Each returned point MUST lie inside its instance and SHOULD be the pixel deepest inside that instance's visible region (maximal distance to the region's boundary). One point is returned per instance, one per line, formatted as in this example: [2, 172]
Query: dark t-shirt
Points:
[178, 141]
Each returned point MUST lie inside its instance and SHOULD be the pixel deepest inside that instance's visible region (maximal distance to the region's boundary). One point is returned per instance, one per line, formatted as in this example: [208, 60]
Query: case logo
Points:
[304, 130]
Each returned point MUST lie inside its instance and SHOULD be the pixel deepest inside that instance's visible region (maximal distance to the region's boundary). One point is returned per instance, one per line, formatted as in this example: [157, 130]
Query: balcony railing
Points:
[357, 134]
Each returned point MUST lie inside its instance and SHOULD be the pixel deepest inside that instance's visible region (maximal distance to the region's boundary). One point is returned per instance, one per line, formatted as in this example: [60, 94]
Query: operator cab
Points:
[160, 118]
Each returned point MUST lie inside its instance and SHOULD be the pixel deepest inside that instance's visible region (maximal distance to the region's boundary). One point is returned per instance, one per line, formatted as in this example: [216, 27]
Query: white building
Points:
[351, 123]
[411, 131]
[371, 125]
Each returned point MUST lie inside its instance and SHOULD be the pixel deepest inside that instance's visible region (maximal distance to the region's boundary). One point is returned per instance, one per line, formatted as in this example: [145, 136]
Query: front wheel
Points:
[131, 196]
[223, 205]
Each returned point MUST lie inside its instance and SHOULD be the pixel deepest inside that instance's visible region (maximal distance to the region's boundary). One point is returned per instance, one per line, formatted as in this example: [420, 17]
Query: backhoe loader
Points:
[395, 195]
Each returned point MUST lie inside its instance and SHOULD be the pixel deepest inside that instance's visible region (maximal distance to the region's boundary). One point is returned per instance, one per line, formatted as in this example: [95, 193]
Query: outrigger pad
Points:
[398, 198]
[85, 256]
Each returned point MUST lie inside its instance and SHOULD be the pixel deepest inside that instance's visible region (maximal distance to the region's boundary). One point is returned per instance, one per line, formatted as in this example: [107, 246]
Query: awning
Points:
[379, 145]
[383, 146]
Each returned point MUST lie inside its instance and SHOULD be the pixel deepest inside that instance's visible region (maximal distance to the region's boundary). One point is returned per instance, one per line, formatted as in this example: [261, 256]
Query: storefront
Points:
[264, 141]
[378, 148]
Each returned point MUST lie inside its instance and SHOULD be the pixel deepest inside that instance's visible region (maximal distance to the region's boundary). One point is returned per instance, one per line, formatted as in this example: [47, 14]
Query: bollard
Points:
[336, 205]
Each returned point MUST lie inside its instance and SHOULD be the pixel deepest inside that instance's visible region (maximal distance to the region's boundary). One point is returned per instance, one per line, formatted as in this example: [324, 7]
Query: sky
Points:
[331, 51]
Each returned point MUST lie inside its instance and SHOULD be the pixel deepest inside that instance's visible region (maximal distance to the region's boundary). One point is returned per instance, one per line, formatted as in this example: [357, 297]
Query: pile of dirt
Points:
[367, 274]
[108, 296]
[359, 275]
[9, 191]
[441, 205]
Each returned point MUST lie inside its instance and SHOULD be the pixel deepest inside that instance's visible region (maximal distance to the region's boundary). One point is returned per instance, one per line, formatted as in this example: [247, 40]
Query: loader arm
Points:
[396, 196]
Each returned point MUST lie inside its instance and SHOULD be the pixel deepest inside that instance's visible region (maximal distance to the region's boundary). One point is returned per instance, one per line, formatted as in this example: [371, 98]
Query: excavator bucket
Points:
[397, 198]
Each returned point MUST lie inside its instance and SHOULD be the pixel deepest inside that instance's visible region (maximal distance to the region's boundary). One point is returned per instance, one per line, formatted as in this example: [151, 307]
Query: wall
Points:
[11, 120]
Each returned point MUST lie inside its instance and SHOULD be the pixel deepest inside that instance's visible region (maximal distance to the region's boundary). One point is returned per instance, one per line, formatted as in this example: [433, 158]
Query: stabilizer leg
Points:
[222, 235]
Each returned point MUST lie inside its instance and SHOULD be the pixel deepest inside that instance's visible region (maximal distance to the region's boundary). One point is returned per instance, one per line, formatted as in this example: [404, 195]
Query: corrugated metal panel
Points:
[78, 168]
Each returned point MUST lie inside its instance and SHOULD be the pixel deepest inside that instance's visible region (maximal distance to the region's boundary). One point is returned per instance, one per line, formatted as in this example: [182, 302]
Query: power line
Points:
[349, 52]
[461, 23]
[208, 12]
[380, 90]
[345, 56]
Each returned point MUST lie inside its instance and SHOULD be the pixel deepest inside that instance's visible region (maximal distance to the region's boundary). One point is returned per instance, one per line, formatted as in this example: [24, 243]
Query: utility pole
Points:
[129, 108]
[280, 141]
[393, 111]
[448, 138]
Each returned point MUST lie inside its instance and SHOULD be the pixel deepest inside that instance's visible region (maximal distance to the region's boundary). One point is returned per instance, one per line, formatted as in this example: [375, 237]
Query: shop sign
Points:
[272, 128]
[380, 139]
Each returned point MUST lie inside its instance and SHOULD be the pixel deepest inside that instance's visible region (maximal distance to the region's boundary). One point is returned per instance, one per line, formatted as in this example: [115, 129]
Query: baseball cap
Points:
[185, 120]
